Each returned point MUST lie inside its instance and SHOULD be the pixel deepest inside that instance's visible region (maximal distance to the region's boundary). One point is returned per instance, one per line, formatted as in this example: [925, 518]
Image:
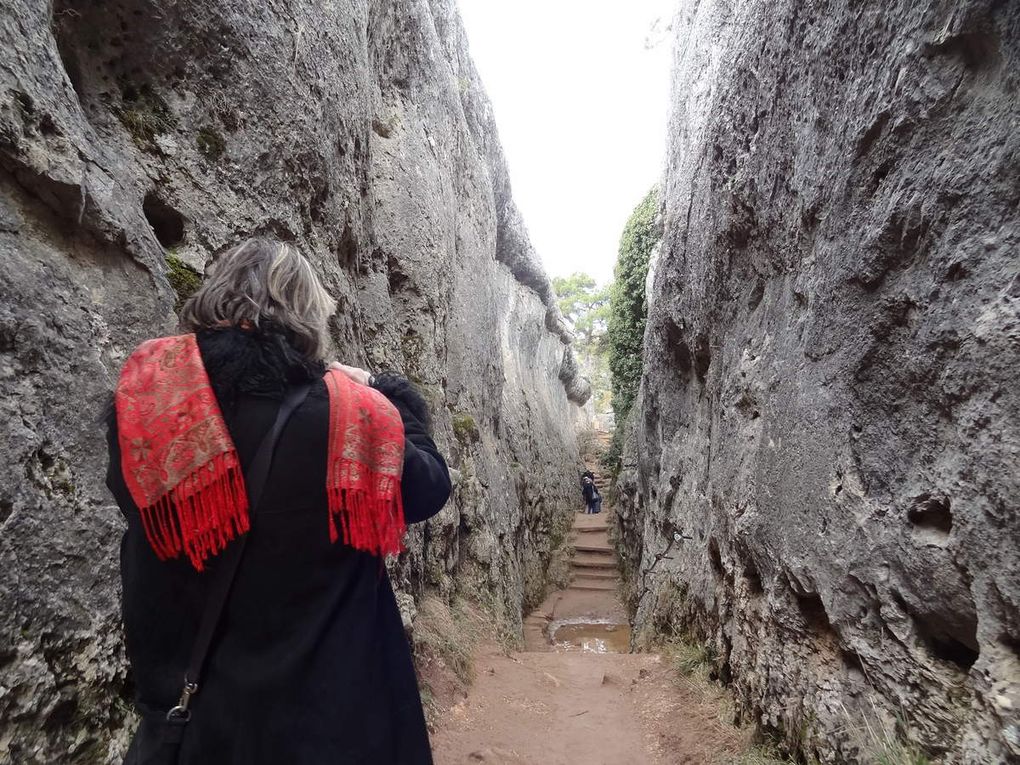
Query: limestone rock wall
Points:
[829, 407]
[131, 131]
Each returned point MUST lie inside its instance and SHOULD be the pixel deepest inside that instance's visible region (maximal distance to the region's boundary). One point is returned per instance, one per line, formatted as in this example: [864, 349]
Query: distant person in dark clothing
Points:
[310, 664]
[592, 498]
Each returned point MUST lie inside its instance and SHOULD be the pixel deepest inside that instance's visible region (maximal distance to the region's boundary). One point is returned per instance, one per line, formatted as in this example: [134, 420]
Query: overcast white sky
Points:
[581, 102]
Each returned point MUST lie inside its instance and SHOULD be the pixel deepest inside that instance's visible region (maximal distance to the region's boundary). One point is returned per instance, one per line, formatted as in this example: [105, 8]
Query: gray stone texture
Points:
[830, 405]
[359, 130]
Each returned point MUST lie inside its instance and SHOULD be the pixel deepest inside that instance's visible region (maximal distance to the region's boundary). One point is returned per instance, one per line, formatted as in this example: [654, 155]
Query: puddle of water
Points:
[590, 636]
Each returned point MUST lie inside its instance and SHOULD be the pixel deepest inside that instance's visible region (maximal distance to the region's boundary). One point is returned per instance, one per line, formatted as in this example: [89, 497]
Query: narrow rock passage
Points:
[575, 694]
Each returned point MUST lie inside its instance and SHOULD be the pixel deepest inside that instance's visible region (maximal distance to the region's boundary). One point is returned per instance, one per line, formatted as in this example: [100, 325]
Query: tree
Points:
[585, 306]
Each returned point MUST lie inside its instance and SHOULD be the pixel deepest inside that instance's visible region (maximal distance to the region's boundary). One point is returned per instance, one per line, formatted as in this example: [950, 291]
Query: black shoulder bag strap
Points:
[226, 569]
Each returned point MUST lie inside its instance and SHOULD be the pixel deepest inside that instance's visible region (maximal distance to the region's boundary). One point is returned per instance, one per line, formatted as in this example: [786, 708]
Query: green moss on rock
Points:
[412, 347]
[210, 143]
[464, 428]
[184, 279]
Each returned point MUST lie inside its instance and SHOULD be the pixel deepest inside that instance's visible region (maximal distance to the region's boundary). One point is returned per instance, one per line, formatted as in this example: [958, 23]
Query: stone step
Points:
[588, 572]
[581, 555]
[594, 586]
[594, 539]
[595, 561]
[582, 577]
[590, 529]
[587, 547]
[591, 566]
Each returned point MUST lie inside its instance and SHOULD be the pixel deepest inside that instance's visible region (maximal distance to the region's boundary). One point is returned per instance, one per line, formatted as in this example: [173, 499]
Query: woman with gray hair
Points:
[262, 488]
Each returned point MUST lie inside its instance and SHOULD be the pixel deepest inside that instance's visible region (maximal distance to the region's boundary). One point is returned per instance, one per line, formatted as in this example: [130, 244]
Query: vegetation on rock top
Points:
[628, 310]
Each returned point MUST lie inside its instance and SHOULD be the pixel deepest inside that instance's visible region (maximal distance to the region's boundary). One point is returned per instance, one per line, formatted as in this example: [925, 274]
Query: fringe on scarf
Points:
[200, 515]
[369, 523]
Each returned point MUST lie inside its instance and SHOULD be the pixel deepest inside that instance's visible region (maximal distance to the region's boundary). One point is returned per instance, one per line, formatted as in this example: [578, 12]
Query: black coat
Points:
[311, 664]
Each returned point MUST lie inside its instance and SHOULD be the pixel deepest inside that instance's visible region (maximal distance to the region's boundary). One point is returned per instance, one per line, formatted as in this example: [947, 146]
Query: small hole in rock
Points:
[851, 660]
[167, 224]
[61, 715]
[725, 672]
[752, 577]
[931, 512]
[714, 557]
[25, 103]
[952, 650]
[681, 353]
[47, 126]
[702, 358]
[46, 460]
[956, 272]
[953, 639]
[395, 275]
[813, 610]
[347, 253]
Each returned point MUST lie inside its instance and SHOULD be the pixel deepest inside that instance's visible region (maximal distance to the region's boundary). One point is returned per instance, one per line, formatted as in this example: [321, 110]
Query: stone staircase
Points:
[593, 592]
[594, 565]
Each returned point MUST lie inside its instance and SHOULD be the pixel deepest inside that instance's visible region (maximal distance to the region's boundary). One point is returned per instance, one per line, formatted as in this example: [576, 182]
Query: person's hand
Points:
[360, 376]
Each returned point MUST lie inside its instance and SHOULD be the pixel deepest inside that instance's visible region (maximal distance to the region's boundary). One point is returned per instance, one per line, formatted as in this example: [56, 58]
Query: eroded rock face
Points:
[829, 406]
[129, 130]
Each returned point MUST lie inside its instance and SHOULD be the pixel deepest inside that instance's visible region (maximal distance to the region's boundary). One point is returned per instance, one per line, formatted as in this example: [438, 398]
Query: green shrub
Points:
[628, 311]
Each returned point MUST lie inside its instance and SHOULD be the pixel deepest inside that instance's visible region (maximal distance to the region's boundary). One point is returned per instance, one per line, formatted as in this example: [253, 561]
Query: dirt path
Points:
[575, 696]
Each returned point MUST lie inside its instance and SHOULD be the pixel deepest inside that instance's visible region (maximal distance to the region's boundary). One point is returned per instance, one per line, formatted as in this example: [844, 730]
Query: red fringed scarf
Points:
[183, 472]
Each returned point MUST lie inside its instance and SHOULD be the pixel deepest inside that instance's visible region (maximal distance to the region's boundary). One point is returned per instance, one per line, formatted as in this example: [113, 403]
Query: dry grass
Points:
[760, 755]
[691, 658]
[883, 746]
[449, 633]
[445, 638]
[899, 753]
[694, 662]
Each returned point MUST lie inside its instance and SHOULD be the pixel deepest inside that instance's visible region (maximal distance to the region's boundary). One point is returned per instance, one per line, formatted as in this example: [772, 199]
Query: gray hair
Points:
[261, 280]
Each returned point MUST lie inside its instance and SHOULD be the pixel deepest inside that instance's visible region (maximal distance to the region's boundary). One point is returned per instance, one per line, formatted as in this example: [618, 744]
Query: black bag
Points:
[158, 738]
